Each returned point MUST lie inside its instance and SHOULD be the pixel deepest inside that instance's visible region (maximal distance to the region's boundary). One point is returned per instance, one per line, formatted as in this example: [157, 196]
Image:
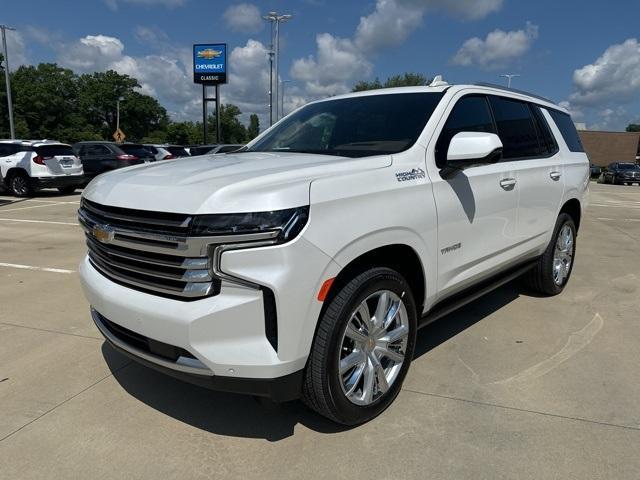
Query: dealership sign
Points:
[210, 63]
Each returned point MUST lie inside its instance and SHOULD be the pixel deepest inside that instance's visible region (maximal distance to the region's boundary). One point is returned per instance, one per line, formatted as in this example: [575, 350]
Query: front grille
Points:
[148, 251]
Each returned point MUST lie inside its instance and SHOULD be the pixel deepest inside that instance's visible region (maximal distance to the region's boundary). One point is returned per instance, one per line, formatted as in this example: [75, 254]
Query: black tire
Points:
[541, 278]
[322, 390]
[20, 185]
[67, 190]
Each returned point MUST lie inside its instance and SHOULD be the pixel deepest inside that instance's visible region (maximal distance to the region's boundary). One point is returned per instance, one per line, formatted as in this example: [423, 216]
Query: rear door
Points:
[96, 158]
[528, 143]
[476, 207]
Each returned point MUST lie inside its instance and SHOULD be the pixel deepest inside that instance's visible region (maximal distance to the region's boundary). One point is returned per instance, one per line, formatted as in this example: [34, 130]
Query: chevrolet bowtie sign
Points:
[210, 63]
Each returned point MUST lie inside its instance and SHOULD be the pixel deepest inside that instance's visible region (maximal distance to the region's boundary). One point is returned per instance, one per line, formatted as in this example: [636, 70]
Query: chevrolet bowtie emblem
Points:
[103, 233]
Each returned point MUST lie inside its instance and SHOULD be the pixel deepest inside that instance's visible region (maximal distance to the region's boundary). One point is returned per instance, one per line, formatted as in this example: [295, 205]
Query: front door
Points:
[476, 207]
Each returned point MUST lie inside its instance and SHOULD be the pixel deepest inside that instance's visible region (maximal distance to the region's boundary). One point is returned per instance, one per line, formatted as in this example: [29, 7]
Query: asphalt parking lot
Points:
[511, 386]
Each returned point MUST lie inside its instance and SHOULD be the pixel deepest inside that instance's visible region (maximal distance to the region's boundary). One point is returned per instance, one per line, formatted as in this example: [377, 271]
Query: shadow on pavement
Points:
[244, 416]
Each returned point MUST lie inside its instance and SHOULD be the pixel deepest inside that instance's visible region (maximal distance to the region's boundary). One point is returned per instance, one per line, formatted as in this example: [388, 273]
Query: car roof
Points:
[34, 143]
[442, 87]
[102, 142]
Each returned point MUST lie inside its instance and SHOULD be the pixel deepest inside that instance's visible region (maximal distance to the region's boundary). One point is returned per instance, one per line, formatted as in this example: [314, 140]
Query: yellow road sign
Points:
[119, 136]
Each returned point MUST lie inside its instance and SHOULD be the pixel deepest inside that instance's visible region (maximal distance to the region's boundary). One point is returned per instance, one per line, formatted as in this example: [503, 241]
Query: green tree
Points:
[633, 127]
[232, 130]
[407, 79]
[254, 127]
[184, 133]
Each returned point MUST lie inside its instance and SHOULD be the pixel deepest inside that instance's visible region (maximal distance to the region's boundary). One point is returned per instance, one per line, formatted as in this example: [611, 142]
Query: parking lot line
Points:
[37, 221]
[618, 219]
[37, 206]
[40, 269]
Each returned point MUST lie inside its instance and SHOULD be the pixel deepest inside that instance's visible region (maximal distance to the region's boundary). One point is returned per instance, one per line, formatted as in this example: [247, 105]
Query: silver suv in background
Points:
[29, 165]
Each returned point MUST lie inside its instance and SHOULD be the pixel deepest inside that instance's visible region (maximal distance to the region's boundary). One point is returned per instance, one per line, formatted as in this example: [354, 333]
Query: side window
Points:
[470, 114]
[5, 150]
[548, 145]
[568, 130]
[516, 128]
[97, 150]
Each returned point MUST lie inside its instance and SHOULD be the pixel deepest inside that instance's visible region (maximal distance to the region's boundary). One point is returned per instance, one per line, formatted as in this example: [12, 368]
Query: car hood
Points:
[239, 182]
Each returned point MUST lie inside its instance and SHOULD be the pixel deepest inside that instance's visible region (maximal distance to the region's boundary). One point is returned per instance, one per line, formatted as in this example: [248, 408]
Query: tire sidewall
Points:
[349, 412]
[29, 189]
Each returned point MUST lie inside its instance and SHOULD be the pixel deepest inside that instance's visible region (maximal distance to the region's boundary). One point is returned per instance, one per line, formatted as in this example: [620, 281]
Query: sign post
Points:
[210, 68]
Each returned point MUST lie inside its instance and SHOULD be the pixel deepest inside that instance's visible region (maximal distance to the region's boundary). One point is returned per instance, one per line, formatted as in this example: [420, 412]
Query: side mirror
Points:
[468, 149]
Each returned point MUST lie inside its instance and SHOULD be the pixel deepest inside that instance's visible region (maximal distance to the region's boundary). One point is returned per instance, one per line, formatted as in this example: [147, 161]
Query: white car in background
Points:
[29, 165]
[166, 152]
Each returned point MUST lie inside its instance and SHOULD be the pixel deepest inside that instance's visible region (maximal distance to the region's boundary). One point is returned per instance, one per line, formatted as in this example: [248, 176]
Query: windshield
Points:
[626, 166]
[353, 127]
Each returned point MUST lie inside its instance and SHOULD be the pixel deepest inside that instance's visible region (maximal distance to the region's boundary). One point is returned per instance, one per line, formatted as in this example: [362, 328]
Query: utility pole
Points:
[118, 112]
[282, 84]
[276, 19]
[271, 53]
[4, 28]
[509, 77]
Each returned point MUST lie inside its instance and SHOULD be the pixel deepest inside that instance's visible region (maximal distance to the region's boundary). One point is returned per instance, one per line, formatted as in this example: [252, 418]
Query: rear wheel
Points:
[67, 190]
[20, 185]
[363, 348]
[554, 267]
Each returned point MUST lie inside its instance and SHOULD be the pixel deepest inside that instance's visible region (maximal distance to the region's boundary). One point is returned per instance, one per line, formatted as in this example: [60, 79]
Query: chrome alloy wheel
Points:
[373, 347]
[563, 255]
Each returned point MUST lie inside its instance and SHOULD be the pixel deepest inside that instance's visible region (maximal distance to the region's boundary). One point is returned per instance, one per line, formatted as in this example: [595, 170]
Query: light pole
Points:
[509, 77]
[276, 20]
[270, 54]
[282, 84]
[4, 28]
[118, 112]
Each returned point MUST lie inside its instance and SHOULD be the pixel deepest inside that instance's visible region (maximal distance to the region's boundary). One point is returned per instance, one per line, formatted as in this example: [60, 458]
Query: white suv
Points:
[303, 265]
[29, 165]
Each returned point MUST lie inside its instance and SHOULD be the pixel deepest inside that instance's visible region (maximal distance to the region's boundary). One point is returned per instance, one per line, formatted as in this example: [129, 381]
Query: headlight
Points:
[284, 225]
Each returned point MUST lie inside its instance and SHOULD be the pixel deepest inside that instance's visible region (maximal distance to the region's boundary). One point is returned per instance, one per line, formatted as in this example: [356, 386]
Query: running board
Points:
[460, 299]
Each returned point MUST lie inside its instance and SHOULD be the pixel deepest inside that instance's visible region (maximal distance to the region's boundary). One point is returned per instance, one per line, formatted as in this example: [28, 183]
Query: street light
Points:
[118, 112]
[276, 19]
[4, 28]
[282, 84]
[509, 77]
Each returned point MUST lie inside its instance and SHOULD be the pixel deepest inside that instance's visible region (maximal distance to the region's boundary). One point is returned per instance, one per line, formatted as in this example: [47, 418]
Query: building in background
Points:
[604, 148]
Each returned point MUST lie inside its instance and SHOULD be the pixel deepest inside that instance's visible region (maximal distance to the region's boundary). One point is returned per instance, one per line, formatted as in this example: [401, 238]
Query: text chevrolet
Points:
[303, 265]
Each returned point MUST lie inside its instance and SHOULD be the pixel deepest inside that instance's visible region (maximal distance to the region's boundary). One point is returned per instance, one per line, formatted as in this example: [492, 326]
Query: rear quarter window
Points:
[568, 130]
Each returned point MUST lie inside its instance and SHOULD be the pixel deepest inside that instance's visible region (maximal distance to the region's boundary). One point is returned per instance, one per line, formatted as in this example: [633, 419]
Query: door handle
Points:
[508, 183]
[555, 176]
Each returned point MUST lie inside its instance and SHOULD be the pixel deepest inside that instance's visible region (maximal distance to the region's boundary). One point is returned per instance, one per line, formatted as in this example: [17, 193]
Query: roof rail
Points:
[513, 90]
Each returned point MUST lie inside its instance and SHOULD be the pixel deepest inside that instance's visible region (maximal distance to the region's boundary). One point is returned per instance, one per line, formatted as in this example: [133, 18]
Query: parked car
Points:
[166, 152]
[29, 165]
[98, 157]
[213, 149]
[138, 150]
[619, 173]
[304, 265]
[595, 170]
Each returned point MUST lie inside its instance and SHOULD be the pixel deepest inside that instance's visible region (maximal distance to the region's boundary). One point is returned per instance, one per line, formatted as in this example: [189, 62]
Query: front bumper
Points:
[225, 335]
[281, 389]
[58, 182]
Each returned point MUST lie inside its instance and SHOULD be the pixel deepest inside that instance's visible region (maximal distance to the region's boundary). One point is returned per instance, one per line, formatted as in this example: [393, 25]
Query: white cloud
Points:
[613, 77]
[16, 49]
[114, 4]
[497, 49]
[336, 62]
[92, 53]
[339, 62]
[603, 89]
[244, 17]
[465, 9]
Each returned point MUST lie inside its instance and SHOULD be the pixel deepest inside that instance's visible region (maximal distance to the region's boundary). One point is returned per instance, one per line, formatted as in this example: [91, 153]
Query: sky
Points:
[584, 54]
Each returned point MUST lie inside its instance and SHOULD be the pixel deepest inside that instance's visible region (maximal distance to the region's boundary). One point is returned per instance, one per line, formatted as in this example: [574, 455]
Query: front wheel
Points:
[554, 267]
[363, 348]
